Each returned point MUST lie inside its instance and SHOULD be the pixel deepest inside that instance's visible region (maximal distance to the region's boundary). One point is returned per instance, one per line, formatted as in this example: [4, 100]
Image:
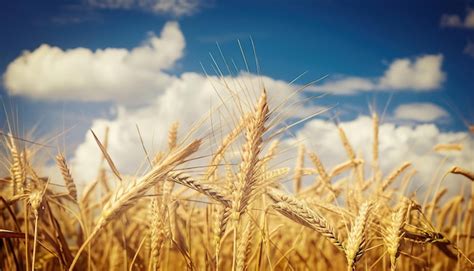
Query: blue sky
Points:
[341, 39]
[317, 37]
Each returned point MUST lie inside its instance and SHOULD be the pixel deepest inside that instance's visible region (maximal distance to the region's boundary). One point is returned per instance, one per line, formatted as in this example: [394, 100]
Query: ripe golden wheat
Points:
[234, 213]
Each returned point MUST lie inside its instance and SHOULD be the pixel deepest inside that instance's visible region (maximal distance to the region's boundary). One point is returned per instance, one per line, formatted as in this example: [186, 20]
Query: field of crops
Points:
[204, 204]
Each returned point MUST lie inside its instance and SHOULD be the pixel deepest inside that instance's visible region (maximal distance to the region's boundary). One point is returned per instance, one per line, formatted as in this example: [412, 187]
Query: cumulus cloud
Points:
[454, 20]
[111, 74]
[424, 73]
[420, 112]
[172, 7]
[421, 74]
[185, 100]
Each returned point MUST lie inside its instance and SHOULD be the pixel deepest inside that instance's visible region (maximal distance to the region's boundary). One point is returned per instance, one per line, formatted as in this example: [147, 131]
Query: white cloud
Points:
[344, 85]
[454, 20]
[420, 112]
[398, 144]
[116, 74]
[185, 100]
[173, 7]
[421, 74]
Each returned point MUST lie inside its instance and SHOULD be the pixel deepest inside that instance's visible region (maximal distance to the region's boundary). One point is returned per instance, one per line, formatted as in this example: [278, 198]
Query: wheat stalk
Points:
[156, 233]
[375, 144]
[173, 135]
[126, 195]
[226, 142]
[299, 168]
[394, 233]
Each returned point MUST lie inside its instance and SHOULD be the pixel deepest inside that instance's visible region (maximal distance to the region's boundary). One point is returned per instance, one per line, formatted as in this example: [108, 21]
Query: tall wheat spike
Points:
[356, 241]
[17, 172]
[394, 233]
[247, 177]
[66, 173]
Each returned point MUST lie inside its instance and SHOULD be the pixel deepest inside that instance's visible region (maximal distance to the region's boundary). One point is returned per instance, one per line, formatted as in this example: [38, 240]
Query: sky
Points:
[80, 64]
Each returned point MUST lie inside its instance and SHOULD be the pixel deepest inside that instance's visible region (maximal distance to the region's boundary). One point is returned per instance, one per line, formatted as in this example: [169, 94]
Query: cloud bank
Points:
[111, 74]
[420, 112]
[421, 74]
[186, 100]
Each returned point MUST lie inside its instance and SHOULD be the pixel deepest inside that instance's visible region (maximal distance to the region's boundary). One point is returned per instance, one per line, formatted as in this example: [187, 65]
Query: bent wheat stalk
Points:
[126, 195]
[462, 171]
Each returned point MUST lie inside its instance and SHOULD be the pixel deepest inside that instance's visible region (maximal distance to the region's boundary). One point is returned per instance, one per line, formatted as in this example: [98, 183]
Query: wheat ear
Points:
[247, 177]
[393, 234]
[156, 233]
[243, 247]
[16, 167]
[66, 173]
[34, 200]
[299, 212]
[448, 147]
[173, 135]
[393, 175]
[356, 240]
[462, 171]
[207, 190]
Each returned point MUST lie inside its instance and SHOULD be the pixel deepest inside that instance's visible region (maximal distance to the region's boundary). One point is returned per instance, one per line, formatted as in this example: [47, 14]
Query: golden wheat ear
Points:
[462, 171]
[67, 177]
[301, 213]
[357, 239]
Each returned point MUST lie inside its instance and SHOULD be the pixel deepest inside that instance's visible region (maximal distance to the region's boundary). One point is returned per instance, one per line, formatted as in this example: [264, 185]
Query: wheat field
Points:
[207, 204]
